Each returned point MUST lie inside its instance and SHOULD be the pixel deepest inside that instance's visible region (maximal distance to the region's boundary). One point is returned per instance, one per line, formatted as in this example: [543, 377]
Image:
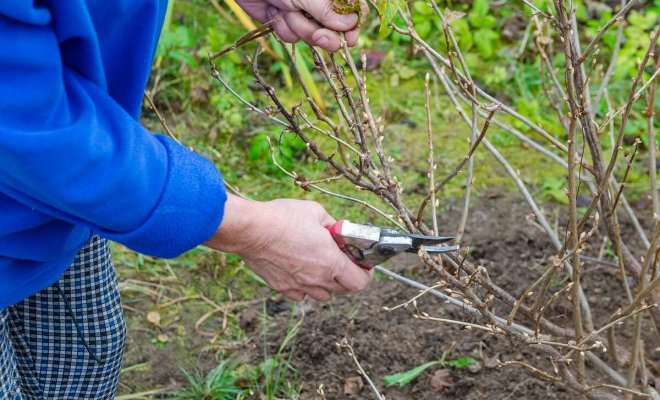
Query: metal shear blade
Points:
[424, 240]
[441, 249]
[368, 245]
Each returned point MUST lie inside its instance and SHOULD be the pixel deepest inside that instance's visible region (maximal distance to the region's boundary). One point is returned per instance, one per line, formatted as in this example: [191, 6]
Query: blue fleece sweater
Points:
[74, 159]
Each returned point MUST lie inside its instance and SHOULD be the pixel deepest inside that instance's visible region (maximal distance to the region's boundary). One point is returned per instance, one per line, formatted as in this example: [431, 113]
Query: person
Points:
[78, 169]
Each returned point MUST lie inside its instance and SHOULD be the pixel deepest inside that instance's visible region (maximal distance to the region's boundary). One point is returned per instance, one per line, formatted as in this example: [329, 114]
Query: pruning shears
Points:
[368, 245]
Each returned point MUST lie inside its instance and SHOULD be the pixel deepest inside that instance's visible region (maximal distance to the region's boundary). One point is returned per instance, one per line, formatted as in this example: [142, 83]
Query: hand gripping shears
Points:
[368, 246]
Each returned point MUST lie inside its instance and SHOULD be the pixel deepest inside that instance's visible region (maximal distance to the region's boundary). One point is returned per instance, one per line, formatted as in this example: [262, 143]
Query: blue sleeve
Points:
[70, 151]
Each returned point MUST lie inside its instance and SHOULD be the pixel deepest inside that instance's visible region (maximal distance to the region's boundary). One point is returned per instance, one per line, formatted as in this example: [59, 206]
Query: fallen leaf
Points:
[374, 59]
[492, 362]
[242, 383]
[441, 379]
[353, 385]
[245, 318]
[403, 378]
[199, 94]
[461, 362]
[154, 318]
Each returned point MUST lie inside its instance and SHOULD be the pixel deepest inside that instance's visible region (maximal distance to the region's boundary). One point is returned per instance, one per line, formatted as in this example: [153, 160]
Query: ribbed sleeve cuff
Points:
[190, 209]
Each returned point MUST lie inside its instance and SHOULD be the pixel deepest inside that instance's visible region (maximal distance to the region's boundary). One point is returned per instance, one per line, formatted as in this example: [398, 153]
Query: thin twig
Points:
[616, 18]
[160, 118]
[431, 175]
[329, 193]
[612, 65]
[343, 343]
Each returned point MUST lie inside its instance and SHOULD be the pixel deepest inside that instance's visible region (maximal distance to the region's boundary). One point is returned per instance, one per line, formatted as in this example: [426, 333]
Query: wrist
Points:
[237, 226]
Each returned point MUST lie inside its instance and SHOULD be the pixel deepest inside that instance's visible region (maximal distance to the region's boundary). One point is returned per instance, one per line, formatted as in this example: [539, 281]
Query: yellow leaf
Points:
[154, 318]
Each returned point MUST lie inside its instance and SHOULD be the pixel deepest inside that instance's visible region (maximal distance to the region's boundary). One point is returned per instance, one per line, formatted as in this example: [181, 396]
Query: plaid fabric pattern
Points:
[9, 386]
[67, 341]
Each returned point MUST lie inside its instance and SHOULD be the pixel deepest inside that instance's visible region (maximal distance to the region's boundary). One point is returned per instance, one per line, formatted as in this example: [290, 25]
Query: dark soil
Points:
[515, 252]
[502, 239]
[389, 342]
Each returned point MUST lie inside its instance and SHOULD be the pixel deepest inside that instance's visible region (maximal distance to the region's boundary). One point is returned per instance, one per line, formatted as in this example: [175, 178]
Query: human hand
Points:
[291, 20]
[286, 243]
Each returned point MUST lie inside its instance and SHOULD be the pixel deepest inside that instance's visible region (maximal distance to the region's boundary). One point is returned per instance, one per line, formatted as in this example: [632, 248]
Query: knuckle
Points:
[296, 296]
[327, 10]
[315, 207]
[320, 295]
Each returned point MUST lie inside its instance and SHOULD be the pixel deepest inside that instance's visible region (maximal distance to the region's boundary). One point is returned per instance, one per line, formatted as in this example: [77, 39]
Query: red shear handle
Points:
[335, 232]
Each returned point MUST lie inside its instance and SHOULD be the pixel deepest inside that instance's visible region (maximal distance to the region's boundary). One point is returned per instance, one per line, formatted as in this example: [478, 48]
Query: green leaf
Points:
[485, 40]
[259, 148]
[581, 12]
[403, 378]
[461, 362]
[387, 10]
[482, 21]
[406, 72]
[643, 21]
[553, 189]
[480, 7]
[424, 28]
[463, 33]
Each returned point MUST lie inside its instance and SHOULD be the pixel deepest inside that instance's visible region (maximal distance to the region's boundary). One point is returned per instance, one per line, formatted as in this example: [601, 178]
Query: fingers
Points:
[310, 32]
[352, 277]
[280, 26]
[318, 293]
[335, 287]
[317, 26]
[296, 26]
[352, 37]
[295, 295]
[320, 10]
[346, 276]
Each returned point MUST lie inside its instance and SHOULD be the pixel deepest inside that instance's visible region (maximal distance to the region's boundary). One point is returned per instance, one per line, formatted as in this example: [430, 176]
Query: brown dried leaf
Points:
[245, 318]
[242, 383]
[492, 362]
[451, 15]
[154, 318]
[442, 379]
[302, 182]
[353, 385]
[373, 59]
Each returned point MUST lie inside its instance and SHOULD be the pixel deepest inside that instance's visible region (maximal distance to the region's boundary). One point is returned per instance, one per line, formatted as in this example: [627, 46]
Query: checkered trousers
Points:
[67, 341]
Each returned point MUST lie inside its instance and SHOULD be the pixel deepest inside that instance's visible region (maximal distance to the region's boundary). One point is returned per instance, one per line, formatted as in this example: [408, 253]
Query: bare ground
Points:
[513, 251]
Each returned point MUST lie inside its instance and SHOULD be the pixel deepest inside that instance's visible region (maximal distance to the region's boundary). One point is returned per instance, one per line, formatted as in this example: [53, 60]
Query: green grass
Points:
[218, 384]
